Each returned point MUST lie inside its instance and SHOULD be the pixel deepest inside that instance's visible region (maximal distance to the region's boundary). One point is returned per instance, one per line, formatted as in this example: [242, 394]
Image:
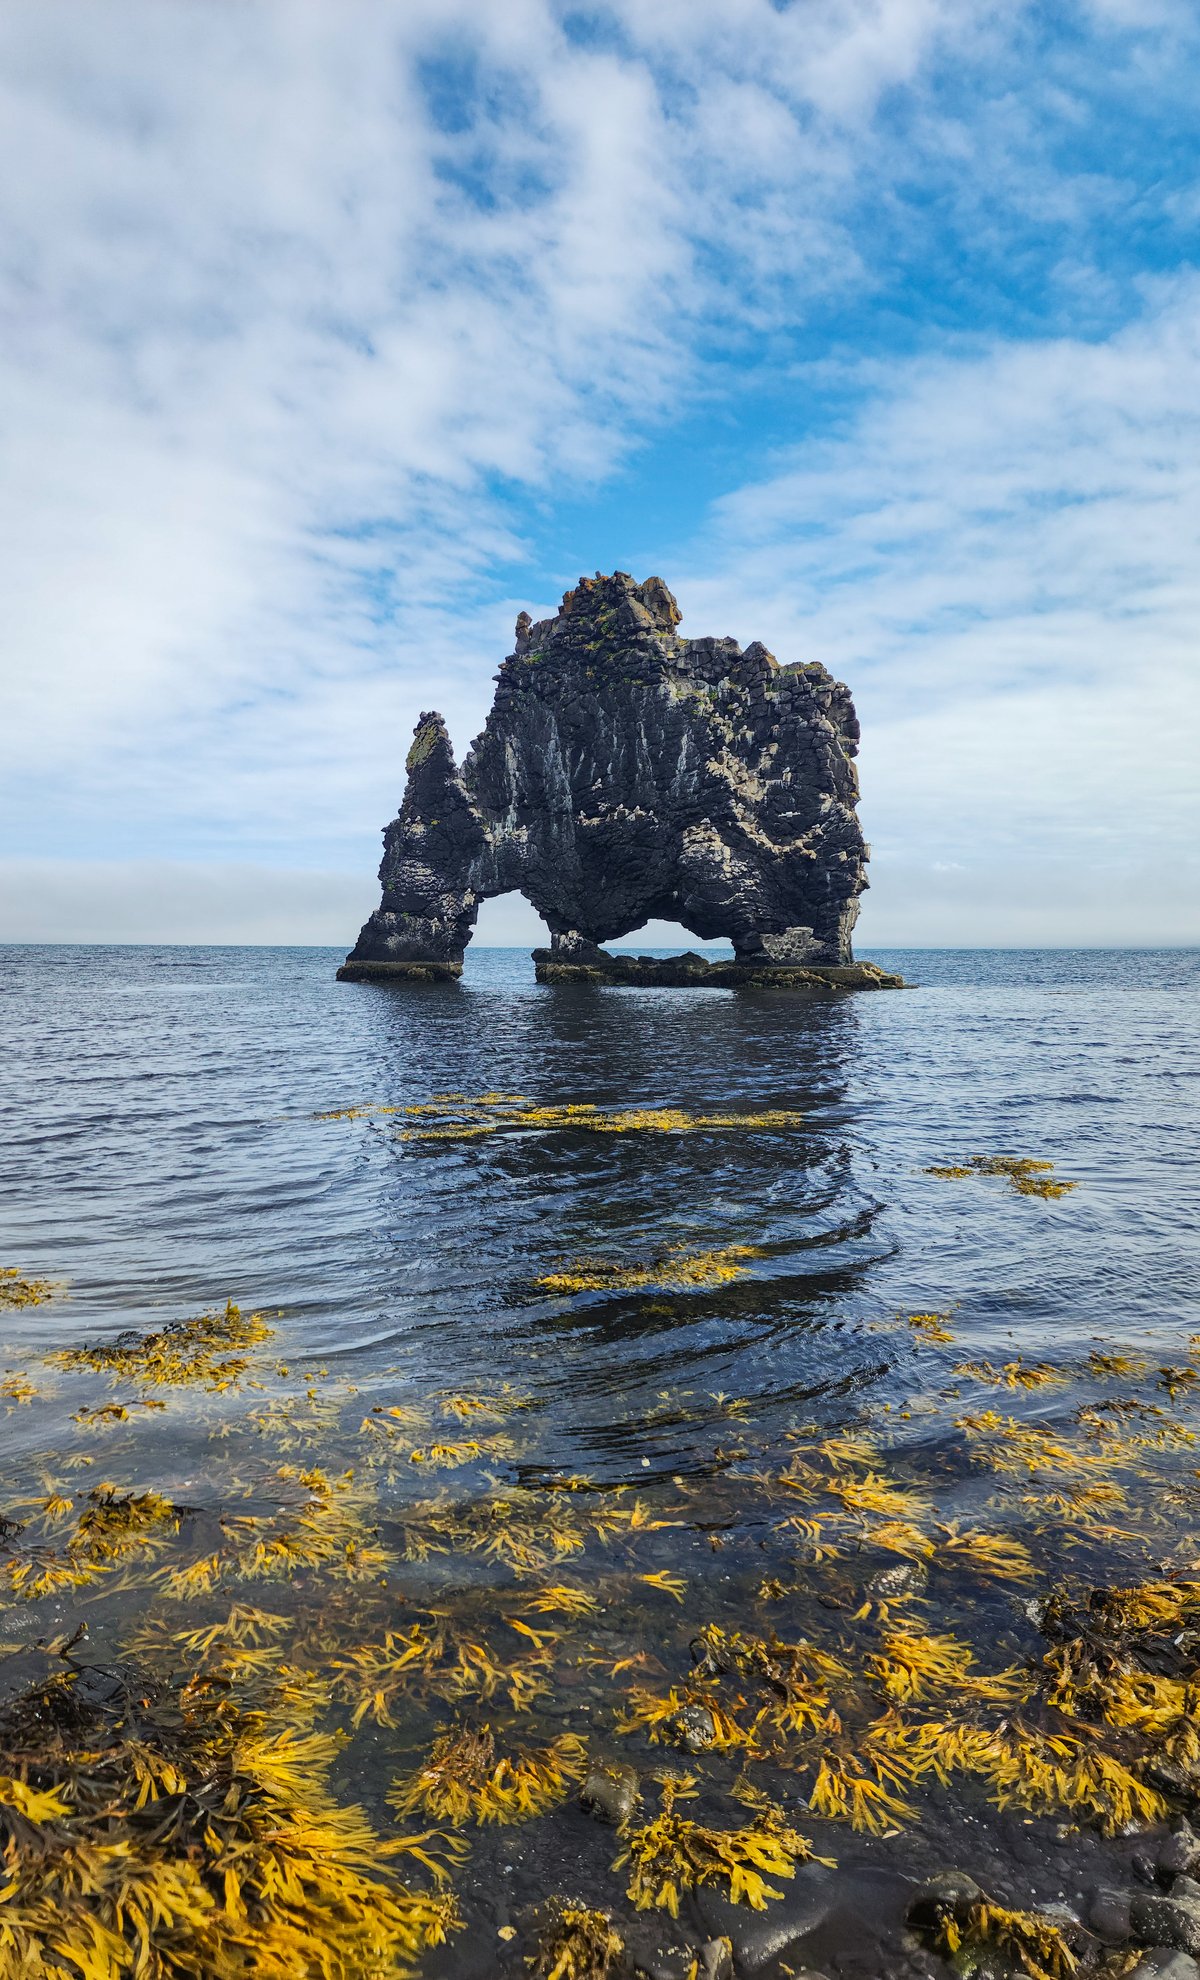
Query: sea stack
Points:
[627, 773]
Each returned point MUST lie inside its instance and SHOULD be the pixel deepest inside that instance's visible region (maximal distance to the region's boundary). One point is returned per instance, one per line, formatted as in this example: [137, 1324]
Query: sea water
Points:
[648, 1315]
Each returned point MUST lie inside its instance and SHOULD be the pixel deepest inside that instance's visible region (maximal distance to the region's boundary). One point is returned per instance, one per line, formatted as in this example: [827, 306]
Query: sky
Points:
[333, 337]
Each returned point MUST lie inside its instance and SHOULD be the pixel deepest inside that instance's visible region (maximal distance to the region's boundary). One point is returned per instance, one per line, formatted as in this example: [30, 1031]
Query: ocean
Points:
[655, 1297]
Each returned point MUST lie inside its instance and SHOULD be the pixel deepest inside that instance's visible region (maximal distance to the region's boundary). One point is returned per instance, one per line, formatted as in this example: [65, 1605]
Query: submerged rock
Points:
[610, 1791]
[695, 1728]
[1179, 1854]
[1108, 1914]
[1168, 1921]
[1162, 1963]
[906, 1578]
[626, 773]
[948, 1895]
[760, 1937]
[691, 971]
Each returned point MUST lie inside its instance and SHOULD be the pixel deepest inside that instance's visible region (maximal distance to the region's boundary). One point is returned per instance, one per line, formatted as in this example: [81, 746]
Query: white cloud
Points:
[306, 309]
[264, 360]
[279, 338]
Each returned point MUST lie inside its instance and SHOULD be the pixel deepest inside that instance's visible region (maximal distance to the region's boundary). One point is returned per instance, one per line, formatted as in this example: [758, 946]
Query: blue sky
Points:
[336, 336]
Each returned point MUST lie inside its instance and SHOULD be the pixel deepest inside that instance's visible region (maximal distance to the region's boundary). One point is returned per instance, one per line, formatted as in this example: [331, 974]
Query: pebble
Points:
[609, 1792]
[696, 1728]
[906, 1578]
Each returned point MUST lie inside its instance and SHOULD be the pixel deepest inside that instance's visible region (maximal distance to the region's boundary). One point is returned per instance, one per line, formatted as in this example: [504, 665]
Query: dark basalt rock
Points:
[1108, 1914]
[610, 1792]
[761, 1937]
[1168, 1921]
[624, 774]
[948, 1895]
[1179, 1854]
[1161, 1963]
[690, 971]
[655, 1949]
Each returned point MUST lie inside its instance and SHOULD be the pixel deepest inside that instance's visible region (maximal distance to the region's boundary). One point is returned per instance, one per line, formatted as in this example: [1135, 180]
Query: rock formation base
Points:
[690, 971]
[399, 972]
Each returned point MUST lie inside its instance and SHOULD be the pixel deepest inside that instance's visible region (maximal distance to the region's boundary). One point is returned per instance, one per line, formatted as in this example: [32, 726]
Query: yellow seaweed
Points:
[867, 1792]
[466, 1778]
[1027, 1177]
[930, 1326]
[1028, 1942]
[17, 1291]
[576, 1943]
[671, 1854]
[191, 1352]
[910, 1666]
[17, 1389]
[675, 1267]
[1016, 1374]
[257, 1869]
[632, 1120]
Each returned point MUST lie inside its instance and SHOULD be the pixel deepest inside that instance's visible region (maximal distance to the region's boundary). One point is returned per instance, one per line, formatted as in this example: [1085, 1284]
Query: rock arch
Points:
[626, 773]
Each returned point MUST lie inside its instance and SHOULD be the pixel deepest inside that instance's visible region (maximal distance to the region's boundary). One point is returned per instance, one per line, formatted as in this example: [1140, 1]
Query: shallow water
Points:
[164, 1151]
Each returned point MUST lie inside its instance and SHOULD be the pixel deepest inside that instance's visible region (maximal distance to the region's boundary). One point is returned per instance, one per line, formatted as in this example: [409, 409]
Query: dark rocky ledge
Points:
[399, 972]
[625, 775]
[693, 971]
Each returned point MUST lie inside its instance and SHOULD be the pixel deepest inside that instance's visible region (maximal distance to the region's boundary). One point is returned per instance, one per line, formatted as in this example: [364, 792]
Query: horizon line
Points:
[520, 948]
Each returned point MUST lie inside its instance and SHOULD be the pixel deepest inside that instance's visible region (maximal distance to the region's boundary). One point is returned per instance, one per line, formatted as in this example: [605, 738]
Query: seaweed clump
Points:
[16, 1389]
[1018, 1374]
[192, 1352]
[576, 1942]
[930, 1326]
[465, 1779]
[675, 1267]
[1025, 1940]
[178, 1835]
[1028, 1178]
[671, 1854]
[451, 1117]
[16, 1290]
[1123, 1666]
[111, 1529]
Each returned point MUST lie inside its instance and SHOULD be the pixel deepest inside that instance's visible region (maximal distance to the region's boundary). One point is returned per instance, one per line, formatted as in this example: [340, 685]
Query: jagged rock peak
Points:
[626, 772]
[601, 609]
